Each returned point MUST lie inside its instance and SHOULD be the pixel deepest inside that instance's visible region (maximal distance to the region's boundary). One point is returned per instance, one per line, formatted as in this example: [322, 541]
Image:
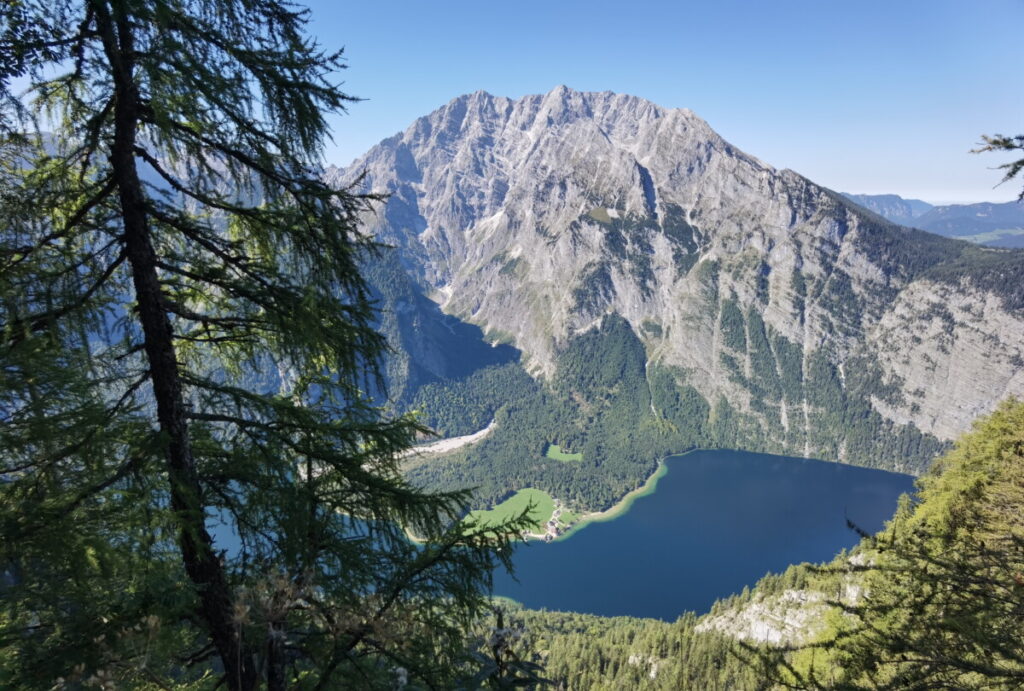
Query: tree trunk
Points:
[276, 680]
[201, 563]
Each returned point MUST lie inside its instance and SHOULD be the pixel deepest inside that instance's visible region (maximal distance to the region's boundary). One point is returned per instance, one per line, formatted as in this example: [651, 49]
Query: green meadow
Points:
[555, 452]
[543, 507]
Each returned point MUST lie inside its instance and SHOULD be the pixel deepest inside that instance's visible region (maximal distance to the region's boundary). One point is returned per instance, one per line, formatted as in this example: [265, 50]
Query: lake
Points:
[718, 521]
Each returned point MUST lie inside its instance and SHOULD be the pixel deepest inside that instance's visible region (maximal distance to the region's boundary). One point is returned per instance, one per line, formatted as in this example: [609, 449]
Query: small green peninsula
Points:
[540, 504]
[552, 520]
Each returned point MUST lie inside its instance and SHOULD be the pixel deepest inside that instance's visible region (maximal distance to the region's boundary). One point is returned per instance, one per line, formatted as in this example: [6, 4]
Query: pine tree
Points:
[194, 480]
[1002, 142]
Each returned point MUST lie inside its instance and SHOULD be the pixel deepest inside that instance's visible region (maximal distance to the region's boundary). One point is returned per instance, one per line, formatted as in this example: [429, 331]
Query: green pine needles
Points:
[195, 488]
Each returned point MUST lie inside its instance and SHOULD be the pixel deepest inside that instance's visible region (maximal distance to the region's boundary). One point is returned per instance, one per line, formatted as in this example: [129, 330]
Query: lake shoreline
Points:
[623, 505]
[714, 523]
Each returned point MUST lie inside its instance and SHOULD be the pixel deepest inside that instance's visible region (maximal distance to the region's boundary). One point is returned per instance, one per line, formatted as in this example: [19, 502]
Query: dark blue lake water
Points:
[718, 521]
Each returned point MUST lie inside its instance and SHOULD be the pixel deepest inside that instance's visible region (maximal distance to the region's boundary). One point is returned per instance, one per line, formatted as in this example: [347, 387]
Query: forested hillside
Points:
[935, 600]
[941, 600]
[623, 414]
[582, 652]
[985, 223]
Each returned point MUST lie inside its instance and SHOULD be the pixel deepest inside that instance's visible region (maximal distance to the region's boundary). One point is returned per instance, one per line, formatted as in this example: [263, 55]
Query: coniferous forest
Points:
[214, 375]
[624, 415]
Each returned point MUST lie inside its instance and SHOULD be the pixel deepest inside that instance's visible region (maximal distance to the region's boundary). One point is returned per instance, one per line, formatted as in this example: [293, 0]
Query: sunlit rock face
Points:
[532, 218]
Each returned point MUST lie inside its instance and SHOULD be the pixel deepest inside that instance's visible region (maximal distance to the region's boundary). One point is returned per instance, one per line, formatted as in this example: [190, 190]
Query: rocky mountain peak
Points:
[533, 217]
[541, 159]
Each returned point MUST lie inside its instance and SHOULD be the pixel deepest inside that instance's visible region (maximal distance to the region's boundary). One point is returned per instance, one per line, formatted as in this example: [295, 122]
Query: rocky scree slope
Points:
[781, 302]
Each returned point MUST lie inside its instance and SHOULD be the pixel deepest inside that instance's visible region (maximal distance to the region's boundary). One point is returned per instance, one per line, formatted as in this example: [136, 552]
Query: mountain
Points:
[891, 206]
[661, 283]
[995, 224]
[986, 223]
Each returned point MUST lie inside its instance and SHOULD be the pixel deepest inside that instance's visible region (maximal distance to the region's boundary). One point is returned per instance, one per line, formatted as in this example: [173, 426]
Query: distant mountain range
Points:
[656, 281]
[992, 224]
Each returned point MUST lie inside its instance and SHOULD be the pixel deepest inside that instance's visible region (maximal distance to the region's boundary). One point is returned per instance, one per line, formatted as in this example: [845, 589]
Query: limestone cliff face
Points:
[794, 617]
[532, 218]
[954, 350]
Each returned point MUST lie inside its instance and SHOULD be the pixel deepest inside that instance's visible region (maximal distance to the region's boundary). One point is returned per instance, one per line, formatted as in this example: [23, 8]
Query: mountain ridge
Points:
[768, 294]
[988, 223]
[892, 207]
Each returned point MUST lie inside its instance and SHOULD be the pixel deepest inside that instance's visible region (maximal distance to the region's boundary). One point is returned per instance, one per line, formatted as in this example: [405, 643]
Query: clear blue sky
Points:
[860, 96]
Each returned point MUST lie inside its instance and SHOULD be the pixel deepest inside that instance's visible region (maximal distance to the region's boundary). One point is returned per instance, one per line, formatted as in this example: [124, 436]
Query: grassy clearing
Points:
[553, 451]
[568, 517]
[600, 214]
[543, 507]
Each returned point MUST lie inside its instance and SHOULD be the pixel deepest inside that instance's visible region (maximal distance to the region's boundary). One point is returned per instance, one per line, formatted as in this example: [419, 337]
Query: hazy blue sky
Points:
[859, 96]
